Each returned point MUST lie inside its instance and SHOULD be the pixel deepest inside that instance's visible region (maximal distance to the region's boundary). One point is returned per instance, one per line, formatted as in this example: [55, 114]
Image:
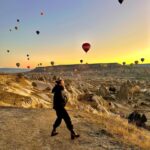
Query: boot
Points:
[74, 135]
[54, 132]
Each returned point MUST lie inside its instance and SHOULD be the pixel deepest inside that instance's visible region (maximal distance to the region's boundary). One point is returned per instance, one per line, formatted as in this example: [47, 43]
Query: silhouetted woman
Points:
[59, 103]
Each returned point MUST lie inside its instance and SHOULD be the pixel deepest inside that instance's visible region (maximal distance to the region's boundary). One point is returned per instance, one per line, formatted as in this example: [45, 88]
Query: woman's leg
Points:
[69, 125]
[67, 119]
[57, 122]
[58, 119]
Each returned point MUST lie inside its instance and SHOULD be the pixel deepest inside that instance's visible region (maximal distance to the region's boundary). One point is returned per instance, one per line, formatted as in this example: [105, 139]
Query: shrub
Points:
[34, 84]
[68, 82]
[47, 89]
[19, 75]
[54, 78]
[40, 79]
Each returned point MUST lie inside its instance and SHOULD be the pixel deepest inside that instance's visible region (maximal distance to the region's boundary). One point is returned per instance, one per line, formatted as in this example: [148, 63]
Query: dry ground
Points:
[29, 129]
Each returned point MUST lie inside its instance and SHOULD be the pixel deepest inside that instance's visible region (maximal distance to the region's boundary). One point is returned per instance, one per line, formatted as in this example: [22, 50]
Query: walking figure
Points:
[59, 103]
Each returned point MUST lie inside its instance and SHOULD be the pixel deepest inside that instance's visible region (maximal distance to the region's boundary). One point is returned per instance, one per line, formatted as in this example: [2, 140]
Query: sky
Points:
[116, 32]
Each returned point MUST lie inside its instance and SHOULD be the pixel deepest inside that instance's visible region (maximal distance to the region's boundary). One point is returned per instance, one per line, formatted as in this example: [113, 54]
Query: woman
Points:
[59, 103]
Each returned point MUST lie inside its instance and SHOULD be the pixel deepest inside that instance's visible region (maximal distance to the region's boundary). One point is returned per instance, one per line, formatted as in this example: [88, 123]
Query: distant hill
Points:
[13, 70]
[77, 66]
[96, 66]
[144, 65]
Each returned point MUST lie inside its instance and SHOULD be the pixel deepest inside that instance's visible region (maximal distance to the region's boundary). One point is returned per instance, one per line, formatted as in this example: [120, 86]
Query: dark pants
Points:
[63, 114]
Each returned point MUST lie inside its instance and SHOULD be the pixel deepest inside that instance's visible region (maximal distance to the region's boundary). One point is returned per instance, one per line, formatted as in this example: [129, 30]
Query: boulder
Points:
[137, 119]
[102, 91]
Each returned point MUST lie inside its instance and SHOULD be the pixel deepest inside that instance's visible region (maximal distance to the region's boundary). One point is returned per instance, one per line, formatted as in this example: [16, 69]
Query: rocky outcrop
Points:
[127, 91]
[96, 102]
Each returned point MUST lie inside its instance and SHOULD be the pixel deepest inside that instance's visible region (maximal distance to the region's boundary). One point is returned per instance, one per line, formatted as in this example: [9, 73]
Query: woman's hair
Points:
[58, 81]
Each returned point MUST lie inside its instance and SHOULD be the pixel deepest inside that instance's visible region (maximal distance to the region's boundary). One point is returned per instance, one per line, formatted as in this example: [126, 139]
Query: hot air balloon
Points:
[18, 65]
[8, 51]
[18, 20]
[28, 58]
[37, 32]
[28, 67]
[86, 47]
[40, 64]
[10, 30]
[52, 63]
[120, 1]
[142, 60]
[16, 27]
[124, 63]
[131, 64]
[42, 13]
[136, 62]
[81, 61]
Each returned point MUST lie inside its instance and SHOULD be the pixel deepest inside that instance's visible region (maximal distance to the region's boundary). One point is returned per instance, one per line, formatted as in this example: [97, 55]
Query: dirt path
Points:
[24, 129]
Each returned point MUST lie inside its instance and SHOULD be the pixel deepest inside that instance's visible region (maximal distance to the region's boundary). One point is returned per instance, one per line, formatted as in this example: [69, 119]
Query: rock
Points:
[96, 102]
[137, 119]
[127, 91]
[123, 92]
[112, 89]
[103, 91]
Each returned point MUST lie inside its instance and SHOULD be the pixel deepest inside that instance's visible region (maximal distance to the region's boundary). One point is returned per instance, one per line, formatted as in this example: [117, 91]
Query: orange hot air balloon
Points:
[142, 60]
[86, 47]
[136, 62]
[18, 65]
[124, 63]
[52, 63]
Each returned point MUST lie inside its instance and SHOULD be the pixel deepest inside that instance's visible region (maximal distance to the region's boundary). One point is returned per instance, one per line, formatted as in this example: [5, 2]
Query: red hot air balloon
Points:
[28, 67]
[86, 47]
[52, 63]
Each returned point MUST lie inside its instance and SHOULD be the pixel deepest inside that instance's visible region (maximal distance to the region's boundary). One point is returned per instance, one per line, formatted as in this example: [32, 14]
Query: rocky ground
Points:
[28, 129]
[90, 98]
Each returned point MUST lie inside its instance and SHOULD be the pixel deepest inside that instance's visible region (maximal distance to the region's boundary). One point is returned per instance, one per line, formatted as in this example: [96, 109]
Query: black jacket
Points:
[60, 99]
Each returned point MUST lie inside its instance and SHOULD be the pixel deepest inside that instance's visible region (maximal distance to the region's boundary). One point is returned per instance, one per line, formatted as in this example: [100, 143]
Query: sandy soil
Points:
[29, 129]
